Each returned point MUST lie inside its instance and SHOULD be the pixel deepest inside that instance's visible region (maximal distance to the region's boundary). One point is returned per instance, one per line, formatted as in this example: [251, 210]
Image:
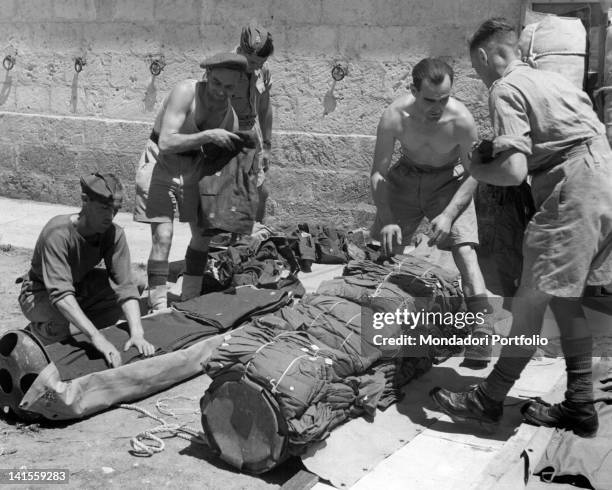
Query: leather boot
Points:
[192, 287]
[471, 406]
[581, 418]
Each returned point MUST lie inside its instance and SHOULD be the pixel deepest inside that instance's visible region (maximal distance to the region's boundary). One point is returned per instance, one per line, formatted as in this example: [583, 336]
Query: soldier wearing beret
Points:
[195, 113]
[63, 286]
[251, 101]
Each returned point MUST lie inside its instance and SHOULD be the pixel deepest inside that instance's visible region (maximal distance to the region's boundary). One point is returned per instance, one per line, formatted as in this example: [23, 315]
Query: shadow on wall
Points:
[150, 97]
[74, 94]
[6, 87]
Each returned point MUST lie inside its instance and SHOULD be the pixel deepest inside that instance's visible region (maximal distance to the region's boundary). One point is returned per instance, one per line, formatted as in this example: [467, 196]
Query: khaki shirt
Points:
[540, 114]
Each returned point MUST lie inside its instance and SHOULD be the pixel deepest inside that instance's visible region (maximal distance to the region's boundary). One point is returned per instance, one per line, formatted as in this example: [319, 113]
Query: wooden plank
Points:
[514, 463]
[302, 480]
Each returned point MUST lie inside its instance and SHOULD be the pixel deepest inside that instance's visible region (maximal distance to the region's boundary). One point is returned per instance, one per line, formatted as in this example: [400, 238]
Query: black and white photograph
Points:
[306, 244]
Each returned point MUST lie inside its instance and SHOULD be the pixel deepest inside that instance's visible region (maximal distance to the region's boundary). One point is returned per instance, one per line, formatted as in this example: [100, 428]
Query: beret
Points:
[255, 39]
[231, 61]
[103, 187]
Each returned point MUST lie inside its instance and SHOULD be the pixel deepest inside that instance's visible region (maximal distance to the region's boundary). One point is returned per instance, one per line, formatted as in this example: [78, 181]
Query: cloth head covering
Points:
[231, 61]
[105, 188]
[256, 40]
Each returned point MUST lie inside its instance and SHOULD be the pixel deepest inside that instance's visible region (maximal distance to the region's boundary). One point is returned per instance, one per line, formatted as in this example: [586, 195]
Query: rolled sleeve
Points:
[117, 260]
[511, 125]
[56, 271]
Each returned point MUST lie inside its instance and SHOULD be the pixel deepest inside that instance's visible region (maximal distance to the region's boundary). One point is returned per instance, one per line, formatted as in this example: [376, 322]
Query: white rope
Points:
[324, 312]
[146, 443]
[275, 384]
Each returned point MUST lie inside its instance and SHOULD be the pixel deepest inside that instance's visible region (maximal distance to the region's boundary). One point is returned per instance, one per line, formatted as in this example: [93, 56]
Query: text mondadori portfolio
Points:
[428, 339]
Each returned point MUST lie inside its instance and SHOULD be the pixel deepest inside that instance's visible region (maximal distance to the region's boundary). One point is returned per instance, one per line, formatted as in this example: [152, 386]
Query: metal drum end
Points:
[22, 358]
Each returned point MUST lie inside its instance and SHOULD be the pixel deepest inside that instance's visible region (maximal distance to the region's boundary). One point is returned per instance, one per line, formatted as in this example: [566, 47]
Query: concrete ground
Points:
[96, 450]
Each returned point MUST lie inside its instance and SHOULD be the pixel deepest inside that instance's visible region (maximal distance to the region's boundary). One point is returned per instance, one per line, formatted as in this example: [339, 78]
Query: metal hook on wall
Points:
[157, 63]
[79, 63]
[339, 71]
[9, 61]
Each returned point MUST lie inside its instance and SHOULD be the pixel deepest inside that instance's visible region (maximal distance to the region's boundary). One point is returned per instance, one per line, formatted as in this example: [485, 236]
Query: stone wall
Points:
[56, 124]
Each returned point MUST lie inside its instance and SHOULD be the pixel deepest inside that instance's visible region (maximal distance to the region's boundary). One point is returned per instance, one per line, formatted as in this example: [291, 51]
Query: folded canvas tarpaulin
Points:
[77, 382]
[584, 462]
[168, 332]
[226, 309]
[52, 398]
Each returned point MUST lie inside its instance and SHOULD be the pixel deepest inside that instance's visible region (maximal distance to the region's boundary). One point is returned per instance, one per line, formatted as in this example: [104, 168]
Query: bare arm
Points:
[264, 114]
[468, 135]
[506, 169]
[70, 309]
[171, 140]
[131, 310]
[383, 152]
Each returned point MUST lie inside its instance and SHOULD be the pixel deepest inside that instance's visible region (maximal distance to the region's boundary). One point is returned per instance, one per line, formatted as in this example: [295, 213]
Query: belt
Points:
[588, 146]
[408, 164]
[597, 143]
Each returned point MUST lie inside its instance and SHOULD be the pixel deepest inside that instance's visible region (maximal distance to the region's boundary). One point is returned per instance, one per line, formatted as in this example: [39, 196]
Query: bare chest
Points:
[429, 145]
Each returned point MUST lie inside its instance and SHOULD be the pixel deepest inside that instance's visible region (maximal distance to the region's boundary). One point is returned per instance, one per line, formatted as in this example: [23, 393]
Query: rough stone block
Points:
[183, 37]
[8, 93]
[33, 10]
[8, 157]
[8, 9]
[184, 11]
[207, 11]
[105, 9]
[233, 14]
[135, 10]
[124, 38]
[76, 10]
[323, 152]
[43, 38]
[33, 98]
[361, 12]
[284, 12]
[311, 40]
[219, 37]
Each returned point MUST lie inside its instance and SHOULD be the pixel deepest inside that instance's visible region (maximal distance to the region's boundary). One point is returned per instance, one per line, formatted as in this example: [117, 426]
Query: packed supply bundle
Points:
[554, 43]
[406, 282]
[70, 379]
[287, 379]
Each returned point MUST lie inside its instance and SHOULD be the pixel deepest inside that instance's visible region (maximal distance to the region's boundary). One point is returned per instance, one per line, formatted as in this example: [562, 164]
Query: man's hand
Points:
[108, 350]
[143, 346]
[222, 137]
[389, 233]
[440, 228]
[265, 160]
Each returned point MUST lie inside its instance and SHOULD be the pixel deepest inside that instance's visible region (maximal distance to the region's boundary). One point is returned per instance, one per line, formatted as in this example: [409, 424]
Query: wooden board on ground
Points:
[412, 442]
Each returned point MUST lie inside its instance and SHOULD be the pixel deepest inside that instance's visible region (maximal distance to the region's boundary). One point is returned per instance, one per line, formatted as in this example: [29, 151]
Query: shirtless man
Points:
[195, 113]
[436, 133]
